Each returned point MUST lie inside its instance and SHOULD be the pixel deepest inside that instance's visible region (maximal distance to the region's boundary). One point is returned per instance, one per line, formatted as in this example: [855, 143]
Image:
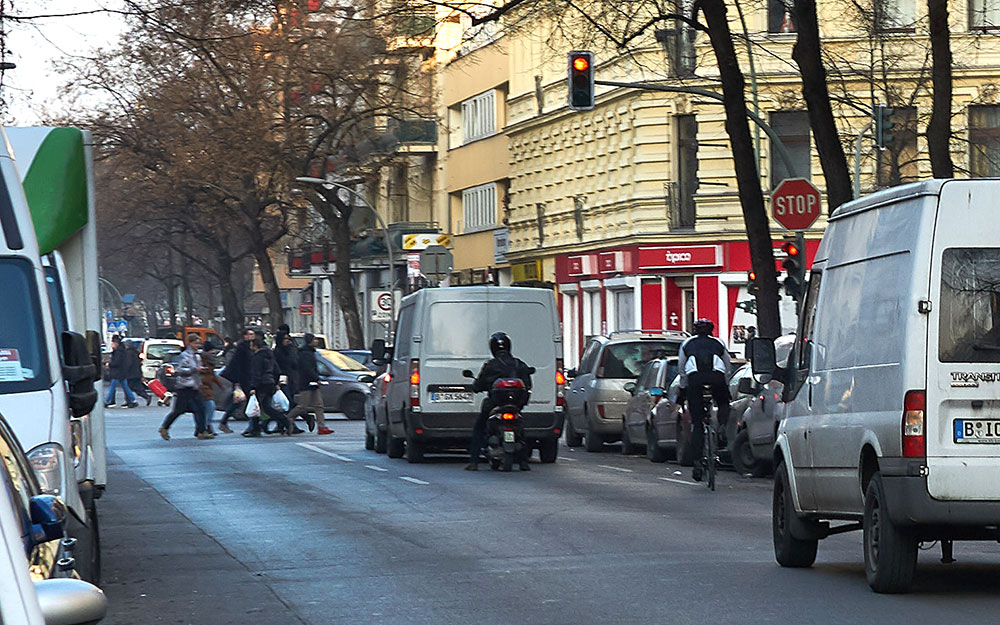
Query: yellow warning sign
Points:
[422, 241]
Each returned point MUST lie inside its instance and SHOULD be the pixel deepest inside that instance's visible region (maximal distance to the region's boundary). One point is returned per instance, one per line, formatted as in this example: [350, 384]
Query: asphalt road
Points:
[317, 530]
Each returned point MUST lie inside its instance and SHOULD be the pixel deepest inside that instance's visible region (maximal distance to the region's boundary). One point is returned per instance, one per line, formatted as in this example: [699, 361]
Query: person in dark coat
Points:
[287, 356]
[118, 370]
[310, 399]
[263, 384]
[133, 373]
[237, 371]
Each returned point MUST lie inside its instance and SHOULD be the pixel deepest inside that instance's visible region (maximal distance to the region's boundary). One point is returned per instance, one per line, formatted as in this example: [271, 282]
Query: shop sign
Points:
[305, 309]
[679, 256]
[525, 272]
[501, 245]
[581, 265]
[611, 262]
[417, 242]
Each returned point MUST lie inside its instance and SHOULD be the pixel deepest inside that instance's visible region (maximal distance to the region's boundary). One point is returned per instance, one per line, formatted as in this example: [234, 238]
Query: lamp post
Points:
[385, 231]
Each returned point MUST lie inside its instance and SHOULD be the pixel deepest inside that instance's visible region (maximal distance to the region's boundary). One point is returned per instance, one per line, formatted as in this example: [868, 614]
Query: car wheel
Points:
[593, 442]
[744, 461]
[628, 448]
[395, 446]
[88, 550]
[788, 550]
[414, 450]
[380, 440]
[890, 551]
[353, 405]
[683, 451]
[369, 441]
[653, 451]
[572, 438]
[548, 450]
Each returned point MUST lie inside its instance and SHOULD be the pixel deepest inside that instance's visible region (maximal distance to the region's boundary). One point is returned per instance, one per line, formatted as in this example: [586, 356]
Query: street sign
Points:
[381, 307]
[436, 263]
[795, 203]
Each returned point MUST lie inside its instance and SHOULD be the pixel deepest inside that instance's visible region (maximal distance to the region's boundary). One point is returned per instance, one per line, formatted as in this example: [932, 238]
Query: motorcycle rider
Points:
[703, 360]
[502, 365]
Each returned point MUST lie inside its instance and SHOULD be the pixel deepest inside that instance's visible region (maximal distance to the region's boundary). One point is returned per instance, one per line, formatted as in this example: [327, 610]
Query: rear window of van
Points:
[970, 305]
[461, 329]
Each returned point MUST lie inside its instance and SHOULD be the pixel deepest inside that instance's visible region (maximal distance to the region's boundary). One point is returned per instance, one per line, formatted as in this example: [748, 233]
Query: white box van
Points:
[441, 332]
[892, 392]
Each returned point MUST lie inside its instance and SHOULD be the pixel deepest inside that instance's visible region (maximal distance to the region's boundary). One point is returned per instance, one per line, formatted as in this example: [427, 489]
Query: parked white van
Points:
[439, 333]
[892, 392]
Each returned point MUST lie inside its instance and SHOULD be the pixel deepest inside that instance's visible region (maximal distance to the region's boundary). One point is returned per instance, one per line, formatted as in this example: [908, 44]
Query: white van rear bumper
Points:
[910, 503]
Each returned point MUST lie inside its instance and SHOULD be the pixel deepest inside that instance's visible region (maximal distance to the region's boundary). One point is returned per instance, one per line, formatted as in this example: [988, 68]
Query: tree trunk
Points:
[747, 178]
[270, 281]
[939, 129]
[230, 300]
[807, 54]
[188, 294]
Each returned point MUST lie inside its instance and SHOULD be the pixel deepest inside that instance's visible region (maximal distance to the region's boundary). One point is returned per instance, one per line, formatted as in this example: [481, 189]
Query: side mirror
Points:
[656, 391]
[80, 372]
[629, 388]
[571, 373]
[378, 349]
[366, 378]
[746, 386]
[47, 516]
[66, 601]
[468, 374]
[762, 359]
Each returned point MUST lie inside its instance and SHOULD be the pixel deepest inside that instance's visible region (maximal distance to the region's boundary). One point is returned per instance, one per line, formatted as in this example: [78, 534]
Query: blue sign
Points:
[122, 327]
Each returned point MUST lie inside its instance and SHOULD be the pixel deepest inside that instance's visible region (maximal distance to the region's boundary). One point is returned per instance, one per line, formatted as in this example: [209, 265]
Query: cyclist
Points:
[703, 360]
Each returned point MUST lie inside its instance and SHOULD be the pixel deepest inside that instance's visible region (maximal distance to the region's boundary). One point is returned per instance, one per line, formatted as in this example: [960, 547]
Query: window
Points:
[895, 15]
[792, 127]
[984, 141]
[687, 170]
[404, 334]
[984, 14]
[479, 207]
[646, 380]
[589, 356]
[808, 320]
[970, 305]
[479, 116]
[626, 360]
[779, 17]
[897, 163]
[624, 309]
[23, 356]
[668, 373]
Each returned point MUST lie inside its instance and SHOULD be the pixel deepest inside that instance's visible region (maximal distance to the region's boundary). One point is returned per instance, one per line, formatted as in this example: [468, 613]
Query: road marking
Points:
[684, 482]
[412, 480]
[374, 468]
[568, 459]
[608, 466]
[325, 452]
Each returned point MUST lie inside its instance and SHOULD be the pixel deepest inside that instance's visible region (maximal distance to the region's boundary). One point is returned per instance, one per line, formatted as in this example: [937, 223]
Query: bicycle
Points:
[710, 447]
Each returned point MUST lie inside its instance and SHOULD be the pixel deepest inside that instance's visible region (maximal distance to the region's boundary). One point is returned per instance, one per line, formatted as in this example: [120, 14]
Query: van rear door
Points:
[962, 414]
[532, 328]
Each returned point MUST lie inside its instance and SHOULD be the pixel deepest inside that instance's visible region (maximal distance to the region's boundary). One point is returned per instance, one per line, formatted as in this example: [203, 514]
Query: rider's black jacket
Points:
[503, 365]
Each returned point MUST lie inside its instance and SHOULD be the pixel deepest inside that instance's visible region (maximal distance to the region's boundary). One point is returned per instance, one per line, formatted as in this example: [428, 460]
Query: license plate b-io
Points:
[982, 431]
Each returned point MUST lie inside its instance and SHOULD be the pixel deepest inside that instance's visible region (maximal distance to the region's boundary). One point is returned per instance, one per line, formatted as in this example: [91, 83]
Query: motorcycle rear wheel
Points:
[508, 461]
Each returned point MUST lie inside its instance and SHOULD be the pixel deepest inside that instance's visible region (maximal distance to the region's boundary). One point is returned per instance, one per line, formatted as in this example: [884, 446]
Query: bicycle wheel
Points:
[712, 443]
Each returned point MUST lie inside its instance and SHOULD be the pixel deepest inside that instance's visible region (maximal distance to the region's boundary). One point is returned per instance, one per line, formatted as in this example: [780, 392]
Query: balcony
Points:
[400, 133]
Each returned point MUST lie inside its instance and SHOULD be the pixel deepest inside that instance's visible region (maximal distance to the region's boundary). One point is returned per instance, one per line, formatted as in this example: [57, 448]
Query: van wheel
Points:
[414, 450]
[653, 451]
[548, 450]
[683, 451]
[743, 459]
[572, 438]
[890, 551]
[593, 442]
[788, 550]
[88, 551]
[395, 447]
[628, 448]
[380, 441]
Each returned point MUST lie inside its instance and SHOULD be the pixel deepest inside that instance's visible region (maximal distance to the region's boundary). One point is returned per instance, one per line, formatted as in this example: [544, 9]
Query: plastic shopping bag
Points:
[238, 395]
[279, 401]
[253, 407]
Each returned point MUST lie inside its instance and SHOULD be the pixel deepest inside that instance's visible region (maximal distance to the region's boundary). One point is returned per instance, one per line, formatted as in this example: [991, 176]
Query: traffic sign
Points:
[436, 262]
[795, 203]
[381, 306]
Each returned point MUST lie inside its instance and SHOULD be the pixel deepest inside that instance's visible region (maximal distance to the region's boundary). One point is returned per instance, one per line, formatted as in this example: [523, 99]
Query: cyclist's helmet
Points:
[499, 342]
[704, 327]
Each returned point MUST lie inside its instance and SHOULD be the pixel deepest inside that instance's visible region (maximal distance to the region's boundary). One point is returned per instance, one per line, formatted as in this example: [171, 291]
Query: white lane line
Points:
[568, 459]
[325, 452]
[684, 482]
[412, 480]
[608, 466]
[375, 468]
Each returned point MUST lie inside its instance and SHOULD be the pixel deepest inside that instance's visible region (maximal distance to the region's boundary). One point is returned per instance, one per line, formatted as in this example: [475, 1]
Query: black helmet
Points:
[704, 327]
[499, 342]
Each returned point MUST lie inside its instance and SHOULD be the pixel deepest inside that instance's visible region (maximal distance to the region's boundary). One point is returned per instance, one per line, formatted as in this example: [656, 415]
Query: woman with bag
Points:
[263, 384]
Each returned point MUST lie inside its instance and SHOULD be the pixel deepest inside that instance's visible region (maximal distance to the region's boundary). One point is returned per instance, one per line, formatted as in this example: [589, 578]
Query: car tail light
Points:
[507, 416]
[385, 383]
[914, 439]
[560, 385]
[414, 382]
[169, 369]
[600, 410]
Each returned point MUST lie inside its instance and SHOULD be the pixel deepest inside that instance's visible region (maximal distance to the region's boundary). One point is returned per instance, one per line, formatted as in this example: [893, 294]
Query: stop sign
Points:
[795, 203]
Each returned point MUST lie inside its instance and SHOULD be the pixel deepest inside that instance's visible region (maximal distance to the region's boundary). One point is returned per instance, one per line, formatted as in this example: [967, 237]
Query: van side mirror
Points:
[80, 373]
[378, 350]
[48, 514]
[762, 359]
[70, 601]
[747, 386]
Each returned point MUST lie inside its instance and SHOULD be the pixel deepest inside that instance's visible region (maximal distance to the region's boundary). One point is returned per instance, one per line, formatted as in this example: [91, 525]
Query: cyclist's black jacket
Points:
[702, 354]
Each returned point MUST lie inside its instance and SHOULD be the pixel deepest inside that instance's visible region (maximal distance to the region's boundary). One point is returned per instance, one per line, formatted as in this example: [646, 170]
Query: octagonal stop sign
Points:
[795, 203]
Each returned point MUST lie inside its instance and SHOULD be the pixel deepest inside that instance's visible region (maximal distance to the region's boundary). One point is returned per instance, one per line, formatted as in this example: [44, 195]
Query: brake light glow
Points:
[414, 382]
[914, 438]
[169, 369]
[509, 383]
[560, 386]
[385, 383]
[507, 416]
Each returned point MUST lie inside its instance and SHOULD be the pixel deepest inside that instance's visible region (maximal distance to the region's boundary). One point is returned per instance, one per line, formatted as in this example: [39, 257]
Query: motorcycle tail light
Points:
[509, 383]
[507, 416]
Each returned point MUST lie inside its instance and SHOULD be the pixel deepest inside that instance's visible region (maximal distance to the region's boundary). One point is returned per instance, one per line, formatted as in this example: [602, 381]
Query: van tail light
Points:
[385, 383]
[914, 439]
[600, 411]
[560, 386]
[414, 382]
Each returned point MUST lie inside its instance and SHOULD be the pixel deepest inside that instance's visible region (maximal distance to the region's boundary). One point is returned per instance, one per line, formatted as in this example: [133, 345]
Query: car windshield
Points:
[970, 305]
[626, 360]
[341, 361]
[23, 356]
[160, 351]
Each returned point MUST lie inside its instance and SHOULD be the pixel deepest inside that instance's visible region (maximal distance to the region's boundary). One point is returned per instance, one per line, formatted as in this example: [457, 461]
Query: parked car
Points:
[155, 352]
[376, 415]
[300, 340]
[364, 356]
[597, 397]
[344, 382]
[646, 392]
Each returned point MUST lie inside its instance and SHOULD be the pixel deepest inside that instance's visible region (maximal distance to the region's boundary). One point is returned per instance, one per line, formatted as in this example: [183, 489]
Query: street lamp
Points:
[385, 231]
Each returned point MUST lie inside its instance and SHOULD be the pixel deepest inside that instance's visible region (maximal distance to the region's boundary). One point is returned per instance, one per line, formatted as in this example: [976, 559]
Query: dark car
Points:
[377, 415]
[638, 428]
[344, 382]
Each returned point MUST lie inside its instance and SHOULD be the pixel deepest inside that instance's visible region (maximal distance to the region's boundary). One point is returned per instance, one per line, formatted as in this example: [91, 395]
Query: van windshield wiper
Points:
[986, 347]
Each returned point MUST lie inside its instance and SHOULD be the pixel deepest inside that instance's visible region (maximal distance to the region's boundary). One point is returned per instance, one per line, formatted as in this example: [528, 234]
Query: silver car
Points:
[638, 430]
[377, 416]
[759, 414]
[597, 397]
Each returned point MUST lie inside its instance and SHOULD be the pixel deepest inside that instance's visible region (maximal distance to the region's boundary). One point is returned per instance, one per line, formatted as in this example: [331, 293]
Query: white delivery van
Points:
[47, 375]
[891, 417]
[439, 333]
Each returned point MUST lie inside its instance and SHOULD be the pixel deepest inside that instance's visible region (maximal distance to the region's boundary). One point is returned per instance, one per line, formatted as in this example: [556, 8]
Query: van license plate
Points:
[451, 397]
[984, 431]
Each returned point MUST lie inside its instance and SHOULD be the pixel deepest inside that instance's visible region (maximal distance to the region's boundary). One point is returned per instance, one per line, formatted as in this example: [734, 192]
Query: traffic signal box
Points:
[883, 126]
[581, 80]
[794, 265]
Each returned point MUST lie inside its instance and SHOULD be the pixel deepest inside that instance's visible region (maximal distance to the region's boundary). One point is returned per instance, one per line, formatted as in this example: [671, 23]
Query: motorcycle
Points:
[505, 427]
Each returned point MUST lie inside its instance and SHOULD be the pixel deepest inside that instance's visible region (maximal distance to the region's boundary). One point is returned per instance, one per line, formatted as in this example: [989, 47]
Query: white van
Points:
[892, 392]
[439, 333]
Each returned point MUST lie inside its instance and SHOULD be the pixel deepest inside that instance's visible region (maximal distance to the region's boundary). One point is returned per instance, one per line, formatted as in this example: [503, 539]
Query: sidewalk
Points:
[160, 568]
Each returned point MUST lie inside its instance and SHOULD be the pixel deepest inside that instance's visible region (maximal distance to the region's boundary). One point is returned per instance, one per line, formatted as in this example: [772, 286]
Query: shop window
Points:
[779, 17]
[897, 163]
[792, 127]
[687, 172]
[479, 207]
[984, 14]
[984, 141]
[479, 116]
[895, 15]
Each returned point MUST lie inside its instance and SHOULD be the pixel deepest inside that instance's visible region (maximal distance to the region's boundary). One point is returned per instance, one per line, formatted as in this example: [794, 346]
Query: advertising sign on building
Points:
[679, 256]
[417, 242]
[501, 245]
[526, 272]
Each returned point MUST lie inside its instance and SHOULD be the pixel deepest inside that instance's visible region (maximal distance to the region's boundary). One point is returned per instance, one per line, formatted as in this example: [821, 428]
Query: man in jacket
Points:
[502, 365]
[117, 369]
[310, 398]
[287, 356]
[237, 371]
[188, 372]
[133, 373]
[263, 384]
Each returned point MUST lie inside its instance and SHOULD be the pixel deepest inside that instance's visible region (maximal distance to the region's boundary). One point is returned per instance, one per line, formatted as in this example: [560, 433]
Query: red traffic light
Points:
[751, 276]
[791, 249]
[581, 63]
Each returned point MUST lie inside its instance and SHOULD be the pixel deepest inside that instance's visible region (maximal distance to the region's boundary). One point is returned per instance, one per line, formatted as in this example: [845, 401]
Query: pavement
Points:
[318, 530]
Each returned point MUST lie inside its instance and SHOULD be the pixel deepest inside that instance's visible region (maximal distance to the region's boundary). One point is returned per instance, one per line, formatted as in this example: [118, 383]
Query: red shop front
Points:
[658, 287]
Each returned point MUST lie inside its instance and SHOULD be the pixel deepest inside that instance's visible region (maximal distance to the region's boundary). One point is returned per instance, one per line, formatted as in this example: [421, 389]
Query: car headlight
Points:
[47, 461]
